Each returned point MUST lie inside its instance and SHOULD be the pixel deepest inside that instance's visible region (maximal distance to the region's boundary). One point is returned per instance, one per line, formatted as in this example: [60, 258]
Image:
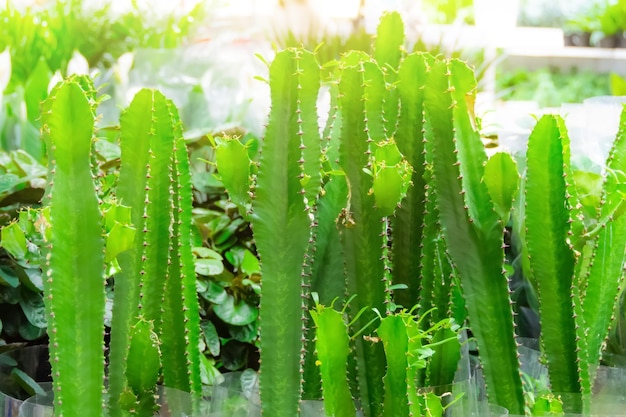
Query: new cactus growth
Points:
[156, 316]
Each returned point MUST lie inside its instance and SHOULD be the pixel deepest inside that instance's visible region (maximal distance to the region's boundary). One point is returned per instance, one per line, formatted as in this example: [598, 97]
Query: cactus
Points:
[158, 325]
[285, 185]
[157, 281]
[551, 257]
[473, 231]
[575, 271]
[74, 289]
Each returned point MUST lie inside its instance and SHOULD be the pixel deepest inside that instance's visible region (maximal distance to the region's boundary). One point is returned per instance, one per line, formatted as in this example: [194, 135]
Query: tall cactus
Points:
[577, 290]
[157, 281]
[361, 90]
[75, 271]
[472, 228]
[288, 172]
[551, 257]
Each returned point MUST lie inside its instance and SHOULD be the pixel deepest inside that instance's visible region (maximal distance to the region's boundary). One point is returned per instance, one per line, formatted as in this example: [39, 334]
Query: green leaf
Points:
[26, 382]
[210, 337]
[238, 313]
[209, 267]
[250, 264]
[36, 90]
[215, 293]
[33, 307]
[8, 277]
[8, 181]
[13, 240]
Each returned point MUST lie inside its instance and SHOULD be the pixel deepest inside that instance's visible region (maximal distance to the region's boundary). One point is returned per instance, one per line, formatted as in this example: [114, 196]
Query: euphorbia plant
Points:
[322, 210]
[155, 318]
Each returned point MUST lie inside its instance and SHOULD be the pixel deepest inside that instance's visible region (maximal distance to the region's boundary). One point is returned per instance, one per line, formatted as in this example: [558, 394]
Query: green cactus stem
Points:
[551, 256]
[361, 92]
[74, 287]
[282, 225]
[472, 229]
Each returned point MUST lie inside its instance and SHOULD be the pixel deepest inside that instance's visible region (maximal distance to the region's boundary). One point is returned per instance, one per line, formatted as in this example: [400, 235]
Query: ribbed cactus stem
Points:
[472, 229]
[75, 270]
[361, 227]
[282, 226]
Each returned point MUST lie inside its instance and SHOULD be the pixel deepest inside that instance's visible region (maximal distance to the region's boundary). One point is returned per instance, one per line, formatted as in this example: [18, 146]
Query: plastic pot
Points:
[171, 402]
[20, 369]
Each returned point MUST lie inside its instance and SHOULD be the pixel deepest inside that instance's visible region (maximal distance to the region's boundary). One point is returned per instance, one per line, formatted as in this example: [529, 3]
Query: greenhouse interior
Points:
[312, 208]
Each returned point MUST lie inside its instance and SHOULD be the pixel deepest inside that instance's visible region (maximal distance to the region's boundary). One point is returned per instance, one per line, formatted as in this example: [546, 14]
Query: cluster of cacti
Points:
[155, 322]
[408, 210]
[322, 212]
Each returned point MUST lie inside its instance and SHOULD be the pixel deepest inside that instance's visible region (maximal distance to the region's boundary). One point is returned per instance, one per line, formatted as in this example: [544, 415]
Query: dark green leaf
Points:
[210, 337]
[33, 307]
[8, 277]
[236, 313]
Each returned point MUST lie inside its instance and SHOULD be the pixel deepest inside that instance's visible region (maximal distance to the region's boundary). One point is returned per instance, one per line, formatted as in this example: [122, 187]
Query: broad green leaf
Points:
[33, 307]
[8, 277]
[13, 240]
[211, 338]
[26, 382]
[209, 267]
[250, 264]
[238, 313]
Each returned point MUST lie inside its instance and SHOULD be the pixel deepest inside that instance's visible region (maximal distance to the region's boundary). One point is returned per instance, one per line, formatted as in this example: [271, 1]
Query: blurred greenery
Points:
[550, 87]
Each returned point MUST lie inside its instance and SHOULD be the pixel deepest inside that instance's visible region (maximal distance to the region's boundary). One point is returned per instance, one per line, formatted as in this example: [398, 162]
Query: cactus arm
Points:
[157, 209]
[234, 165]
[393, 333]
[333, 347]
[362, 227]
[472, 230]
[327, 270]
[551, 257]
[502, 180]
[75, 283]
[144, 364]
[605, 272]
[408, 223]
[282, 228]
[181, 321]
[388, 49]
[136, 124]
